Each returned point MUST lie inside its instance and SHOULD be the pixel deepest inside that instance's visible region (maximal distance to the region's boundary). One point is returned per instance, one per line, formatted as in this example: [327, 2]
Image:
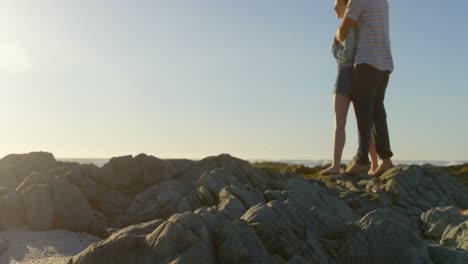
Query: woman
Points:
[344, 55]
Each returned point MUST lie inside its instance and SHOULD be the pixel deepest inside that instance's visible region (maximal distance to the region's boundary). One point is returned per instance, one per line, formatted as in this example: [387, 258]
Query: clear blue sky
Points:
[196, 78]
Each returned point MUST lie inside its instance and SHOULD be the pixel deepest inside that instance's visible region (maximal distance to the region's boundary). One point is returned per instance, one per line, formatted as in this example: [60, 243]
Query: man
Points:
[373, 65]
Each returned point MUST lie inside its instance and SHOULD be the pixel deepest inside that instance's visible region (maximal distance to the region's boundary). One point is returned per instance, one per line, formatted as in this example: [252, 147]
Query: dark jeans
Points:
[367, 95]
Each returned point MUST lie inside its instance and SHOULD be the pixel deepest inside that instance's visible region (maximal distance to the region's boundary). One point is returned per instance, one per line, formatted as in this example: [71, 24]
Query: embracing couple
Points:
[362, 50]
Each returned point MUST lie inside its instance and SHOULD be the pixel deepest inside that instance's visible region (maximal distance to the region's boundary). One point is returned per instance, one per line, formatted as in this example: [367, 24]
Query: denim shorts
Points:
[344, 80]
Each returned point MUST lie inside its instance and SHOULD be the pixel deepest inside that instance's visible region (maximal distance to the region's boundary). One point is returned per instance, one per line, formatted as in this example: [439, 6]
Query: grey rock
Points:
[143, 169]
[221, 209]
[423, 187]
[121, 171]
[128, 245]
[113, 203]
[11, 210]
[183, 238]
[4, 191]
[205, 196]
[456, 236]
[271, 195]
[246, 195]
[377, 238]
[313, 195]
[72, 209]
[244, 172]
[156, 170]
[283, 234]
[15, 167]
[159, 201]
[188, 203]
[213, 219]
[35, 178]
[35, 160]
[436, 220]
[39, 207]
[443, 255]
[240, 244]
[216, 179]
[4, 245]
[230, 204]
[83, 177]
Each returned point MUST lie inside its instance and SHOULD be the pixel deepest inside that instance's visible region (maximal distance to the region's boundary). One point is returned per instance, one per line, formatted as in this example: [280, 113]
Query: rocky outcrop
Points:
[224, 210]
[127, 245]
[444, 255]
[383, 236]
[436, 220]
[456, 236]
[143, 169]
[15, 167]
[247, 215]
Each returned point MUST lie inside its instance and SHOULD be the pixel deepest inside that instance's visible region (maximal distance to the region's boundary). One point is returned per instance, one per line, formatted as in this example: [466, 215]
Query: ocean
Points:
[308, 163]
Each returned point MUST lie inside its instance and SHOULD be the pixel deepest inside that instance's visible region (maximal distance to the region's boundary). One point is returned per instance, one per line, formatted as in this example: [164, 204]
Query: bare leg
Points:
[373, 156]
[341, 106]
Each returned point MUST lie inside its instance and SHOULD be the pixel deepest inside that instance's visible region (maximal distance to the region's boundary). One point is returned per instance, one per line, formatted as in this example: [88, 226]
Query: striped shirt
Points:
[373, 44]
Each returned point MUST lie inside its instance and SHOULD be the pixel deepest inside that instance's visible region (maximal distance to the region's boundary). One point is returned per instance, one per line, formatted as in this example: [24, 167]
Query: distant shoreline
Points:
[310, 163]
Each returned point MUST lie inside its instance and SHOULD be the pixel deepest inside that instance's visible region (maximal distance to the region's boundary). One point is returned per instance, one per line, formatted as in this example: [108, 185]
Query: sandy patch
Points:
[43, 247]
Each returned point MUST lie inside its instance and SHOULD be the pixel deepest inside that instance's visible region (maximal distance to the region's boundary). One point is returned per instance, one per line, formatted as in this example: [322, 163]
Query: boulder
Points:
[11, 210]
[456, 236]
[15, 167]
[241, 169]
[284, 232]
[230, 205]
[72, 209]
[127, 170]
[183, 238]
[378, 236]
[239, 244]
[213, 181]
[82, 176]
[127, 245]
[121, 171]
[436, 220]
[443, 255]
[39, 207]
[35, 178]
[424, 187]
[33, 160]
[155, 170]
[112, 203]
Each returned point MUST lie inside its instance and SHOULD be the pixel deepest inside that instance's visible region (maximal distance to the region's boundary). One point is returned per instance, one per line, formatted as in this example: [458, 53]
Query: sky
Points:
[196, 78]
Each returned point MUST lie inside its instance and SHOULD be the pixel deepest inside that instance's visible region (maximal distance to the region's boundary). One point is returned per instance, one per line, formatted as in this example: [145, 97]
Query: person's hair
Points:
[345, 2]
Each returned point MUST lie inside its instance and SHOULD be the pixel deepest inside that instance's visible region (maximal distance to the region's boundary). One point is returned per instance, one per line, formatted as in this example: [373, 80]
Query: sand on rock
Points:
[42, 247]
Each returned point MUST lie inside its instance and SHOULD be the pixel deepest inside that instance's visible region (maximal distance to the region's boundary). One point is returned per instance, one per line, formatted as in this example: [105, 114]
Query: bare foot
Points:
[383, 167]
[354, 168]
[332, 170]
[373, 169]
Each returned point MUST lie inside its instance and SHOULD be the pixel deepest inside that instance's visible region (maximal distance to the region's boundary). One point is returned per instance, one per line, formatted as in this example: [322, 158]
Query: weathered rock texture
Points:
[225, 210]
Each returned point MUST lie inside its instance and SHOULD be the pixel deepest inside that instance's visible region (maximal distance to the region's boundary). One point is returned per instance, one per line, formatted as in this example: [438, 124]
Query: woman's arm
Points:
[350, 45]
[346, 50]
[337, 50]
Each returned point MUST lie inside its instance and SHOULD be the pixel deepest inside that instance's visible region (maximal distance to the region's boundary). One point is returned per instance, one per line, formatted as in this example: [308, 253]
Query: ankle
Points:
[387, 162]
